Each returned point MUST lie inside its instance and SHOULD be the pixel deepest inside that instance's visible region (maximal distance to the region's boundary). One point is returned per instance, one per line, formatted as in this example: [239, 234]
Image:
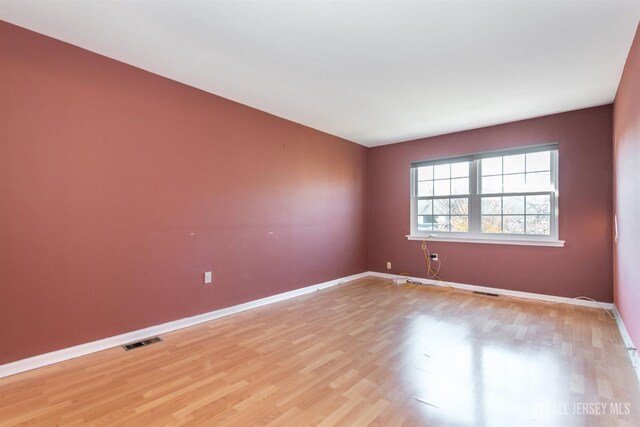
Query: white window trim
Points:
[474, 207]
[494, 241]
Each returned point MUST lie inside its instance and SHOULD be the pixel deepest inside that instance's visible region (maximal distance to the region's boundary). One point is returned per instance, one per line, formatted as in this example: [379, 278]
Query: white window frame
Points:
[474, 235]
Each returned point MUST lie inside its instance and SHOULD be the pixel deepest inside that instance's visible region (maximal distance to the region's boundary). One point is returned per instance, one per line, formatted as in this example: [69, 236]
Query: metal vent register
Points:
[489, 294]
[142, 343]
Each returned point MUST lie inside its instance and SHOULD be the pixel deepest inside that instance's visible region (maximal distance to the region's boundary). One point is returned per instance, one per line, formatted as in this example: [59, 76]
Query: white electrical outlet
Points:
[388, 265]
[207, 277]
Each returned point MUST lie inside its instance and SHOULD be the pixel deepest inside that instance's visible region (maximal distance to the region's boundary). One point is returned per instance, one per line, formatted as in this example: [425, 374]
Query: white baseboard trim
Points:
[499, 291]
[628, 342]
[118, 340]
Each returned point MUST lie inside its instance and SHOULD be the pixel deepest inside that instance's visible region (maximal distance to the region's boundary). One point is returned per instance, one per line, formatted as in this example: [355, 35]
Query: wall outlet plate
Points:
[388, 265]
[207, 277]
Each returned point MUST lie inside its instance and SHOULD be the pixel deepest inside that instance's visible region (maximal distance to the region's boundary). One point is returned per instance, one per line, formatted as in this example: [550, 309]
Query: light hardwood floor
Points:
[364, 353]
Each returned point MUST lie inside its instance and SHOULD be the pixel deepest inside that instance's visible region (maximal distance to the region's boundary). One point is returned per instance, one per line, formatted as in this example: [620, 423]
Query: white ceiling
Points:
[373, 72]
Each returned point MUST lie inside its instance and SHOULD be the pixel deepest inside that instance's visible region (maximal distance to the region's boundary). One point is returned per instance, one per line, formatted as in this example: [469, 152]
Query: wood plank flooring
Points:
[364, 353]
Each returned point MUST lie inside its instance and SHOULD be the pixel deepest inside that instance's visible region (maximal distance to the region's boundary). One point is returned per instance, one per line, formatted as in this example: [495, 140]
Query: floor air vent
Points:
[488, 294]
[141, 343]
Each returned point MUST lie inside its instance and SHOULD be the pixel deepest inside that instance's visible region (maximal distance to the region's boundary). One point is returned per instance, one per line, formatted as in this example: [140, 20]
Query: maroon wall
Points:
[627, 193]
[119, 188]
[582, 267]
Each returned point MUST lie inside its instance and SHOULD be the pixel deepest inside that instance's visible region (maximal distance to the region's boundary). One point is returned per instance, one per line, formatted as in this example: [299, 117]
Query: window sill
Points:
[521, 242]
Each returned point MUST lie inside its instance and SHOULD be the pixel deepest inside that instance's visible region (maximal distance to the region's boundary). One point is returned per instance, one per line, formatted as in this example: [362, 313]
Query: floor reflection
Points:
[464, 377]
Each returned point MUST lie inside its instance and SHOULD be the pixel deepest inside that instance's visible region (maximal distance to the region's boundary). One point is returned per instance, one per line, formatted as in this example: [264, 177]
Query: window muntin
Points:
[506, 195]
[519, 173]
[444, 214]
[443, 197]
[523, 183]
[524, 214]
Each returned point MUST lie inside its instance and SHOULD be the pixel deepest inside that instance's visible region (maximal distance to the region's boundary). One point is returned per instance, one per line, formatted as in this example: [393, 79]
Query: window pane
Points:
[539, 161]
[492, 184]
[538, 224]
[513, 205]
[514, 164]
[459, 206]
[442, 187]
[460, 224]
[514, 183]
[538, 204]
[492, 166]
[424, 207]
[491, 205]
[508, 182]
[539, 181]
[513, 224]
[441, 223]
[491, 224]
[425, 189]
[441, 207]
[425, 173]
[460, 186]
[442, 171]
[425, 222]
[459, 169]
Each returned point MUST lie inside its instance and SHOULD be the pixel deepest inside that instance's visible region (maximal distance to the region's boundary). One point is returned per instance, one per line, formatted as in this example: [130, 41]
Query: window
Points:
[507, 196]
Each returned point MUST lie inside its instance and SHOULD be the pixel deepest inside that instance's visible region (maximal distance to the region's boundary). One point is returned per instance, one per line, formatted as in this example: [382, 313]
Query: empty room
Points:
[319, 213]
